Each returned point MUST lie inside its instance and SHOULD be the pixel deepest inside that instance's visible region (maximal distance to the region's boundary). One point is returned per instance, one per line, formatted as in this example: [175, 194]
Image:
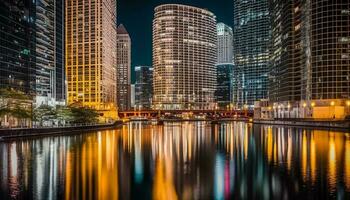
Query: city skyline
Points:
[141, 31]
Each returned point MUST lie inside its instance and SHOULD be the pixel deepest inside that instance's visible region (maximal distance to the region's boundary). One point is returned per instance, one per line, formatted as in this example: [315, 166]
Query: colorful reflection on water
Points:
[179, 161]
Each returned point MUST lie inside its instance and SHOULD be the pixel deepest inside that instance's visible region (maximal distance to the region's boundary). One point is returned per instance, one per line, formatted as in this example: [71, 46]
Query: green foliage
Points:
[15, 103]
[84, 115]
[44, 113]
[64, 113]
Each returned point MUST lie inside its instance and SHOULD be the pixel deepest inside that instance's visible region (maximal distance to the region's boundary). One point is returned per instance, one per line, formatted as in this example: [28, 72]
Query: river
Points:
[188, 160]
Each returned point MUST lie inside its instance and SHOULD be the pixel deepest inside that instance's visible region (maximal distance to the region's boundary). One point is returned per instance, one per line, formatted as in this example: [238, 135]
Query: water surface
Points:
[193, 160]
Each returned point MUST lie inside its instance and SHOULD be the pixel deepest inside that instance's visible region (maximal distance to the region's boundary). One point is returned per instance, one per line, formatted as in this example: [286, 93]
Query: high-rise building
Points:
[184, 57]
[123, 68]
[49, 87]
[17, 45]
[91, 35]
[225, 69]
[225, 85]
[251, 49]
[143, 87]
[60, 94]
[224, 44]
[132, 96]
[310, 60]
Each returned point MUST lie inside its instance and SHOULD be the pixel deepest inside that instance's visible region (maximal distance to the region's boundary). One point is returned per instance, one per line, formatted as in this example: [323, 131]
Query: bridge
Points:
[170, 113]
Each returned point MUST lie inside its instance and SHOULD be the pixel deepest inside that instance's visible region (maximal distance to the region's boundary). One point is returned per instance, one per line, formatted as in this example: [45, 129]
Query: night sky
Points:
[137, 16]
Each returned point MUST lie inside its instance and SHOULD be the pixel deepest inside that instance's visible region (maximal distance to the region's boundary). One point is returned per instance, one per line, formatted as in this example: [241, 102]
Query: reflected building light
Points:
[219, 177]
[304, 156]
[138, 159]
[347, 164]
[313, 166]
[332, 173]
[13, 173]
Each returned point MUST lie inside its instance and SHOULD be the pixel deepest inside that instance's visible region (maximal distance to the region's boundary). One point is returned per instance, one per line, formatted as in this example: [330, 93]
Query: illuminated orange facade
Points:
[91, 54]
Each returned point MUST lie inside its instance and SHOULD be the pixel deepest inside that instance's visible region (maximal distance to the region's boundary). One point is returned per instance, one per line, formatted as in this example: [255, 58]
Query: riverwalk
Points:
[14, 133]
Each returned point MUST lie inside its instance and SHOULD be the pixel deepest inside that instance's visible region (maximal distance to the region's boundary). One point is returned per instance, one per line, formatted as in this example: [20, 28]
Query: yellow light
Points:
[288, 106]
[348, 103]
[304, 105]
[332, 103]
[270, 108]
[313, 104]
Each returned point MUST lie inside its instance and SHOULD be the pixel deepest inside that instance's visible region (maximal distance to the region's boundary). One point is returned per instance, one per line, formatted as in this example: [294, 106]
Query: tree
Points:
[64, 114]
[84, 115]
[15, 104]
[44, 113]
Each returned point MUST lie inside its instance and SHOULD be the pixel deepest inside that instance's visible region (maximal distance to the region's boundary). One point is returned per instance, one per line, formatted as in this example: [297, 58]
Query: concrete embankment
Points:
[54, 131]
[340, 125]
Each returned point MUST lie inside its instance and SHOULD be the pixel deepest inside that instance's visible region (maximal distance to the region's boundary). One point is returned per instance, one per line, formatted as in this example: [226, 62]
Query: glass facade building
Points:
[251, 49]
[17, 45]
[184, 57]
[123, 68]
[225, 85]
[225, 90]
[60, 93]
[310, 58]
[143, 87]
[50, 85]
[91, 35]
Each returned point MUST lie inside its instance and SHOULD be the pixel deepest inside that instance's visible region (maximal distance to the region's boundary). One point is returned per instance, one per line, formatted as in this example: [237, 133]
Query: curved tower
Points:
[184, 57]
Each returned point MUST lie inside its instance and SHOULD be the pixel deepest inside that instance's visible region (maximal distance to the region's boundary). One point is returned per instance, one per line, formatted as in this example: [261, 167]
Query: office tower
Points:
[132, 96]
[224, 44]
[310, 61]
[49, 74]
[17, 45]
[123, 68]
[143, 87]
[251, 49]
[91, 35]
[60, 94]
[184, 57]
[225, 82]
[225, 69]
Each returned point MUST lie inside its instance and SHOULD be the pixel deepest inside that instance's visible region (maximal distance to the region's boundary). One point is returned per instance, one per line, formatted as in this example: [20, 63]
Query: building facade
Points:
[224, 66]
[310, 59]
[184, 57]
[224, 44]
[91, 54]
[251, 49]
[49, 76]
[18, 45]
[225, 85]
[123, 68]
[143, 87]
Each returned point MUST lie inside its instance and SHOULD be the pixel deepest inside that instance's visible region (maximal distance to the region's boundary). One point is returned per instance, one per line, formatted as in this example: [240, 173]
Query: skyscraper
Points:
[91, 54]
[17, 45]
[224, 44]
[184, 57]
[143, 87]
[251, 48]
[225, 69]
[123, 68]
[49, 52]
[310, 68]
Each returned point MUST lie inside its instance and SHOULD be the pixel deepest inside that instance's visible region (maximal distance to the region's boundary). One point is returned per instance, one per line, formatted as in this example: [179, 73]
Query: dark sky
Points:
[137, 16]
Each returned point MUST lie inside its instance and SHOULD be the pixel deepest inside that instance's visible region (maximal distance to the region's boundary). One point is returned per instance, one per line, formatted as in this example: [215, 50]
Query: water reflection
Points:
[179, 161]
